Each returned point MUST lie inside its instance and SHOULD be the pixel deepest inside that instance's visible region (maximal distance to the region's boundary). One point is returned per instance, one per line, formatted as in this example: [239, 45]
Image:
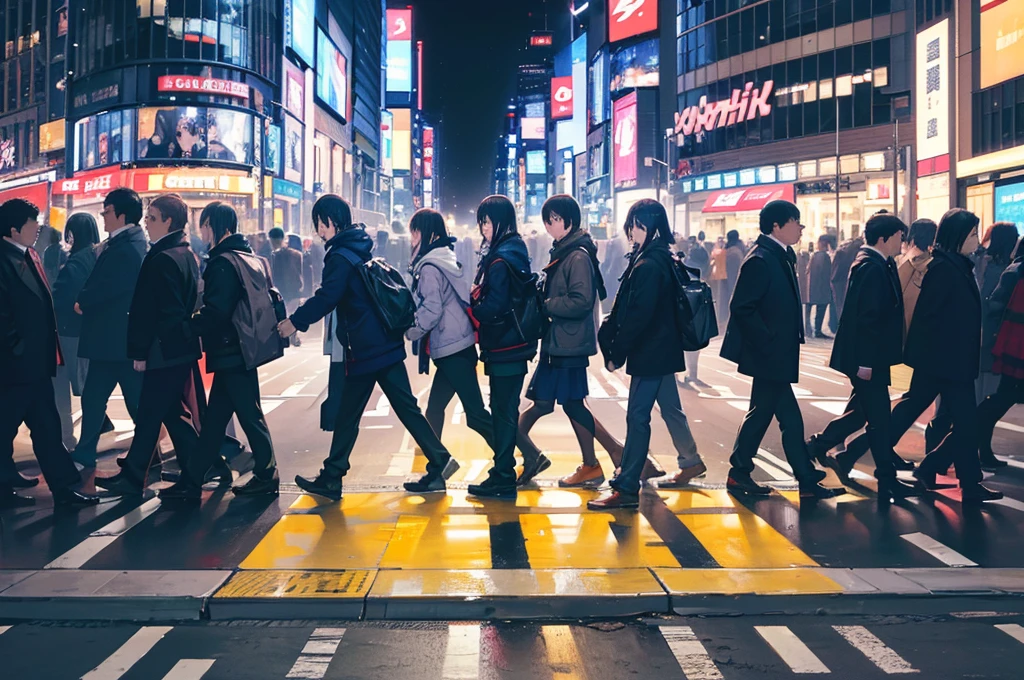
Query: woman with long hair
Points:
[81, 234]
[443, 331]
[501, 281]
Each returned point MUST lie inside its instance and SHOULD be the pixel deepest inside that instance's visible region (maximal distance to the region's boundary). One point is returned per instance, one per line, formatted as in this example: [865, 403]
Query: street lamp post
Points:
[650, 161]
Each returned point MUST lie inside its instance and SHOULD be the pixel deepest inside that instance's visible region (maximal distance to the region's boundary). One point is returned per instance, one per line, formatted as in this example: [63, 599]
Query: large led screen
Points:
[189, 132]
[536, 163]
[533, 128]
[331, 75]
[635, 66]
[624, 141]
[298, 28]
[1010, 204]
[1002, 41]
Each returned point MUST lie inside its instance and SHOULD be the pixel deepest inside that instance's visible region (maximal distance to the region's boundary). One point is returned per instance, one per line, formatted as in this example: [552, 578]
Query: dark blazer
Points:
[287, 269]
[647, 339]
[222, 291]
[69, 284]
[165, 297]
[871, 327]
[107, 296]
[28, 329]
[944, 341]
[765, 324]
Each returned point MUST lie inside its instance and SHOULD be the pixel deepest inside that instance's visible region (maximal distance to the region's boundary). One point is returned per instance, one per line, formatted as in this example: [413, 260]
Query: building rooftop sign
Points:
[744, 105]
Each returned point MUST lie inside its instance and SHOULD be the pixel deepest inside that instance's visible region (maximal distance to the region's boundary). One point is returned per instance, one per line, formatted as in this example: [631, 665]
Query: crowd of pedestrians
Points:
[141, 308]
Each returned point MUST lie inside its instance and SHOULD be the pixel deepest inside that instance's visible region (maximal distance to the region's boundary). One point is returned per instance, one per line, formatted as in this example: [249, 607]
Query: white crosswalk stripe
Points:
[937, 550]
[791, 649]
[190, 669]
[76, 557]
[690, 653]
[129, 654]
[1016, 631]
[462, 655]
[875, 650]
[317, 655]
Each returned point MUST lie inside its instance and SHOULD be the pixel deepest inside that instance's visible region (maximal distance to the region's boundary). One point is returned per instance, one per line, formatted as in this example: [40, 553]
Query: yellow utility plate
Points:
[263, 584]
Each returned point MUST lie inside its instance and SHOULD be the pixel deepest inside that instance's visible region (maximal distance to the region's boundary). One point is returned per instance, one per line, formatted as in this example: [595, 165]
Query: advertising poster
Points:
[536, 163]
[294, 91]
[598, 89]
[624, 141]
[561, 98]
[399, 50]
[193, 132]
[635, 66]
[8, 157]
[298, 28]
[1002, 41]
[627, 18]
[387, 129]
[273, 149]
[532, 128]
[402, 153]
[331, 75]
[291, 153]
[932, 96]
[1010, 204]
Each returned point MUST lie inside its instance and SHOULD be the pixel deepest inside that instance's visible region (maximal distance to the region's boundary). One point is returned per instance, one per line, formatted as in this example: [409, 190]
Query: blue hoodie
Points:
[368, 346]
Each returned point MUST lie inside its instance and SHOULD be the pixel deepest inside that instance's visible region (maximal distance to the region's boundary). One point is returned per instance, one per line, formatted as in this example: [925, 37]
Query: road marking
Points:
[268, 405]
[791, 649]
[103, 537]
[595, 388]
[1009, 426]
[476, 468]
[1013, 630]
[296, 388]
[462, 655]
[822, 378]
[690, 653]
[775, 460]
[401, 465]
[459, 412]
[189, 669]
[316, 656]
[942, 553]
[773, 472]
[280, 373]
[836, 408]
[4, 629]
[875, 650]
[129, 654]
[1011, 503]
[1012, 462]
[616, 384]
[376, 427]
[383, 408]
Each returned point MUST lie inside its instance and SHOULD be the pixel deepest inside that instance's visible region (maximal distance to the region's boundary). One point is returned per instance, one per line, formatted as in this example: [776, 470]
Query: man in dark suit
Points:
[868, 343]
[763, 337]
[160, 343]
[104, 303]
[29, 355]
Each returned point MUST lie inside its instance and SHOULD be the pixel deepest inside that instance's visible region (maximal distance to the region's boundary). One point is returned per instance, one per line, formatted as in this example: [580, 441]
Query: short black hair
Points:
[334, 211]
[922, 233]
[429, 224]
[171, 207]
[277, 233]
[501, 213]
[777, 212]
[954, 228]
[223, 220]
[651, 215]
[125, 202]
[700, 235]
[1002, 240]
[882, 226]
[566, 207]
[14, 214]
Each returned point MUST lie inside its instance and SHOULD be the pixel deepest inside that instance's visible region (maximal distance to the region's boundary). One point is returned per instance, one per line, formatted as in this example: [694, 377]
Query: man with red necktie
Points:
[29, 356]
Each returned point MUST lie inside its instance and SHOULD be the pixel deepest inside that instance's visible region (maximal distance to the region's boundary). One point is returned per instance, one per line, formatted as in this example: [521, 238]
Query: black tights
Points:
[582, 424]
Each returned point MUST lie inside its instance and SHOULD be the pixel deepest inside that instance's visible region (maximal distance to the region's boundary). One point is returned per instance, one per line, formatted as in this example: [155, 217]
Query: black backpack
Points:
[528, 307]
[392, 299]
[695, 307]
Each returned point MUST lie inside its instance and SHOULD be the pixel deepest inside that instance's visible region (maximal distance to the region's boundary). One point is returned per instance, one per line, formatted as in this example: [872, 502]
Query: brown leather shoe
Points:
[614, 500]
[683, 476]
[586, 476]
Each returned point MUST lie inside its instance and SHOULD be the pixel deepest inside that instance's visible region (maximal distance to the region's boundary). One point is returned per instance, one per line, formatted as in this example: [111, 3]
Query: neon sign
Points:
[744, 105]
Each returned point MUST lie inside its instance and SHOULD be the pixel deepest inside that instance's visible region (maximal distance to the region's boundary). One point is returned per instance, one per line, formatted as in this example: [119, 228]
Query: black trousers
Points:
[819, 317]
[100, 382]
[456, 375]
[162, 402]
[994, 407]
[329, 409]
[772, 399]
[35, 405]
[505, 392]
[868, 406]
[394, 381]
[233, 393]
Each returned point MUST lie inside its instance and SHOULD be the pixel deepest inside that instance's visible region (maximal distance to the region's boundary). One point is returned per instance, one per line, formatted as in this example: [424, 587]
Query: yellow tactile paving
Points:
[428, 583]
[746, 581]
[744, 540]
[298, 584]
[588, 541]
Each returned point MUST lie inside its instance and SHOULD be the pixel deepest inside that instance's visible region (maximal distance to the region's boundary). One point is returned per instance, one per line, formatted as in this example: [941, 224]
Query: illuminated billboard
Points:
[331, 75]
[933, 91]
[428, 152]
[1002, 41]
[387, 142]
[561, 98]
[536, 163]
[635, 66]
[532, 128]
[298, 28]
[627, 18]
[598, 89]
[624, 141]
[402, 139]
[399, 51]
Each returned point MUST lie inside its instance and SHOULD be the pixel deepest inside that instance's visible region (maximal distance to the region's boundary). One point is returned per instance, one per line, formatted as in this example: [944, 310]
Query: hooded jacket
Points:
[442, 291]
[570, 297]
[368, 346]
[505, 268]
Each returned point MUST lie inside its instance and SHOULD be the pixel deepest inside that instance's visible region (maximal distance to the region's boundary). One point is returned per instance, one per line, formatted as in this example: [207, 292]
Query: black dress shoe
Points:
[22, 482]
[973, 494]
[499, 491]
[69, 497]
[258, 487]
[819, 492]
[532, 469]
[989, 463]
[929, 482]
[902, 464]
[897, 488]
[183, 490]
[321, 486]
[840, 467]
[746, 485]
[426, 484]
[817, 450]
[120, 484]
[10, 499]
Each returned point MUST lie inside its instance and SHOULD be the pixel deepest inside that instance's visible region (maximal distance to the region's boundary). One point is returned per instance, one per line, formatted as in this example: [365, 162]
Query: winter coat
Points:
[222, 292]
[286, 266]
[841, 263]
[995, 312]
[766, 326]
[441, 288]
[912, 273]
[501, 272]
[368, 345]
[571, 298]
[29, 347]
[107, 296]
[819, 275]
[944, 340]
[69, 283]
[646, 338]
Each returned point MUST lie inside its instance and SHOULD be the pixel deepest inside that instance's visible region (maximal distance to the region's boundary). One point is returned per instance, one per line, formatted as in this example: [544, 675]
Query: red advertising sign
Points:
[213, 86]
[400, 25]
[744, 105]
[95, 182]
[428, 152]
[627, 18]
[561, 98]
[750, 198]
[624, 140]
[541, 40]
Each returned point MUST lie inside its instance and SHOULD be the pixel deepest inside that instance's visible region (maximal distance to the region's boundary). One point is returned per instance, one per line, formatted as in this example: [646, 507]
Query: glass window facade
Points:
[997, 119]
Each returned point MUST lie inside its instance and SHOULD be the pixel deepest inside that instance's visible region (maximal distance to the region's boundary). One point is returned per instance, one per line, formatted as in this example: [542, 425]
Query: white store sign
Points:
[932, 94]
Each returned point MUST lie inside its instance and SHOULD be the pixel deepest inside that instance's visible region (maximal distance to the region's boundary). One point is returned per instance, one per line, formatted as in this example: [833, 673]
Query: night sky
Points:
[471, 49]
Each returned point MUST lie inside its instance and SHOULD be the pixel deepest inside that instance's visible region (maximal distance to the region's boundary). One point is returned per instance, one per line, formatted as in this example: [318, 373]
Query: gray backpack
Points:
[255, 316]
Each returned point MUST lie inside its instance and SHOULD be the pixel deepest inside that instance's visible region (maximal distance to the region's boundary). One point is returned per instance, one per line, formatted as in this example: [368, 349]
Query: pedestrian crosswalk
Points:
[673, 649]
